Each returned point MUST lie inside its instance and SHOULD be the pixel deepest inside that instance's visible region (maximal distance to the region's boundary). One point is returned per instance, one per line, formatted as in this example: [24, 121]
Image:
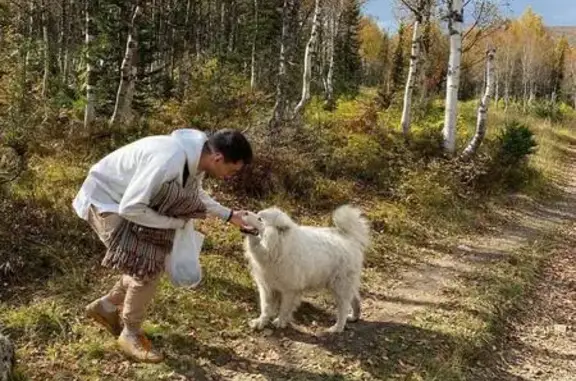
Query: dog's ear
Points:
[282, 222]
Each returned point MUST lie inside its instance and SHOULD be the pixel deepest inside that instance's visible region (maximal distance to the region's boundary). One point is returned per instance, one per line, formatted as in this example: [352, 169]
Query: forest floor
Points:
[493, 299]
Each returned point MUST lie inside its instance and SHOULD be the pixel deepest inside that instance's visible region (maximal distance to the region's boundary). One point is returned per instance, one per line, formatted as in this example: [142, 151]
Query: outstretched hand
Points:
[239, 221]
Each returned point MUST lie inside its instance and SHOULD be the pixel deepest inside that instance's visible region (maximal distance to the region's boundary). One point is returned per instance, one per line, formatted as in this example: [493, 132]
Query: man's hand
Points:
[238, 221]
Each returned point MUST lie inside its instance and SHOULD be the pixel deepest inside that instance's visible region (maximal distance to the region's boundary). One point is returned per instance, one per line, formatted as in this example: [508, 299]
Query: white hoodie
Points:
[125, 181]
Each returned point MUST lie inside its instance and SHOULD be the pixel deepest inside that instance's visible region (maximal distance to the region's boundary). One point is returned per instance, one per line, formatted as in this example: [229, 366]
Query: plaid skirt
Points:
[141, 251]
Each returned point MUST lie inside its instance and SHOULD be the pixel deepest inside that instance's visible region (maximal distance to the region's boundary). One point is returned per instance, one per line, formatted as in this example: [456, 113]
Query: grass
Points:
[442, 278]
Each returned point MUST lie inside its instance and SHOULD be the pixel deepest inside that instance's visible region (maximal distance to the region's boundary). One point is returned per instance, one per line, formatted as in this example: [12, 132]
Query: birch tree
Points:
[278, 114]
[89, 109]
[308, 60]
[419, 9]
[253, 55]
[482, 114]
[123, 107]
[334, 11]
[455, 21]
[47, 46]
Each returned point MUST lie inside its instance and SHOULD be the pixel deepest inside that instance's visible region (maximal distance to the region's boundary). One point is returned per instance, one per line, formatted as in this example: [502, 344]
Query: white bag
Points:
[183, 264]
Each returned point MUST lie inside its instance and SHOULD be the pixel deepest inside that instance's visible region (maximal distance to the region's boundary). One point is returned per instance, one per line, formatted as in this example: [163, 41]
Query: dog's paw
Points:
[353, 318]
[335, 329]
[280, 323]
[258, 324]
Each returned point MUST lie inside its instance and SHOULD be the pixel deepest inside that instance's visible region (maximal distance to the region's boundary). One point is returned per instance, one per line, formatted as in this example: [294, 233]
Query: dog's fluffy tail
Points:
[349, 221]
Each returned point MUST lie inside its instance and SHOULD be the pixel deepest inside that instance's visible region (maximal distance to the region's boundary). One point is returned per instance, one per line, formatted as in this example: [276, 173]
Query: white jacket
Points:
[125, 181]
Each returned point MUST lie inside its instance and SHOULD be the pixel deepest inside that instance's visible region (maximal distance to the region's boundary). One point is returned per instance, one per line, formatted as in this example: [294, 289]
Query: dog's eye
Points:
[260, 219]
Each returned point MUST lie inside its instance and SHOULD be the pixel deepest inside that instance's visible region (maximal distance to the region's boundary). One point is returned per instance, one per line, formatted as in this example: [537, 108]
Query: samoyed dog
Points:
[288, 259]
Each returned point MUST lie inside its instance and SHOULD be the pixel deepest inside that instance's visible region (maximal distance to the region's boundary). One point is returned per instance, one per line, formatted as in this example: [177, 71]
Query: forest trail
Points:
[414, 325]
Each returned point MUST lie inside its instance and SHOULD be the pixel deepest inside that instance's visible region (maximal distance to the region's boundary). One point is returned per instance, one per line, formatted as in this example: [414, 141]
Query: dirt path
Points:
[543, 346]
[540, 344]
[439, 318]
[416, 324]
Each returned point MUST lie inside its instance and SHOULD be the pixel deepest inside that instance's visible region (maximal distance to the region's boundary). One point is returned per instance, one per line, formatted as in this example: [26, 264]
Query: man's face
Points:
[222, 170]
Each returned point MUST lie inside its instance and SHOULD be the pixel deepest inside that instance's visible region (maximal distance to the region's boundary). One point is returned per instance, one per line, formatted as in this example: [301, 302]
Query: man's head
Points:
[225, 153]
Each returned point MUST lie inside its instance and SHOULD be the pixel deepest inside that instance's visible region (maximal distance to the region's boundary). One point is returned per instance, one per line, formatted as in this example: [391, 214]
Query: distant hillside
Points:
[568, 31]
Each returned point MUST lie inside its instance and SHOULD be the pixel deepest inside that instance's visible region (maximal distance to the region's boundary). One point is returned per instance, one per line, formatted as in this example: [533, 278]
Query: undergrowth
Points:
[412, 193]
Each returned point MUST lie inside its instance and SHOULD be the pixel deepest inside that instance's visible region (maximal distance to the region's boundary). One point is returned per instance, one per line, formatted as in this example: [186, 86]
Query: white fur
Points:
[287, 259]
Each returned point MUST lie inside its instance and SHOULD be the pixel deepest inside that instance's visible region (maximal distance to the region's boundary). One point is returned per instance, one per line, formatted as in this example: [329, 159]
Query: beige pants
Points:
[130, 294]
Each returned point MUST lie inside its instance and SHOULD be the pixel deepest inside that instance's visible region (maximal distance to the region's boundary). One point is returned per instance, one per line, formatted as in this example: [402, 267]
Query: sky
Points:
[554, 12]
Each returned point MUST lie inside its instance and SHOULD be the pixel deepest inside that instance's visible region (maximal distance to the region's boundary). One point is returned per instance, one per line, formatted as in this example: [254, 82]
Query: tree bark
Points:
[333, 29]
[47, 48]
[476, 141]
[89, 110]
[254, 40]
[455, 21]
[410, 81]
[280, 105]
[123, 108]
[31, 8]
[308, 60]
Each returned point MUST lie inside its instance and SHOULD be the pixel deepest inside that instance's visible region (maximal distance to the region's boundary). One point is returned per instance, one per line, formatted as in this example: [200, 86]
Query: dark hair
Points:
[232, 144]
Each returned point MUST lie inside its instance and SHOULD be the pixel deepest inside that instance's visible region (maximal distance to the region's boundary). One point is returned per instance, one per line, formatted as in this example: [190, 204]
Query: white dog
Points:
[287, 259]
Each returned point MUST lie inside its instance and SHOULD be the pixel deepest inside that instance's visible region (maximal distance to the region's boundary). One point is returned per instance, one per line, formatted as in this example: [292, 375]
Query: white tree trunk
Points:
[280, 105]
[496, 87]
[329, 82]
[410, 81]
[30, 32]
[308, 55]
[333, 19]
[47, 48]
[254, 39]
[455, 21]
[123, 108]
[89, 110]
[474, 144]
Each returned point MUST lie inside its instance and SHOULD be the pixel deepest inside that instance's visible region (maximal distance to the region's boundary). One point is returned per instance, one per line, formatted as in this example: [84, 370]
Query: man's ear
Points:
[217, 157]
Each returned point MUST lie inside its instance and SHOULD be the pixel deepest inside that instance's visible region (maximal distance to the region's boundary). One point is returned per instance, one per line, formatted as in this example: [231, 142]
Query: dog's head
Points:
[271, 217]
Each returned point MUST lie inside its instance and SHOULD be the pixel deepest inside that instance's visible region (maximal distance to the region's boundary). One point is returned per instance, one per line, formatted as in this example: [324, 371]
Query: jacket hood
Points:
[191, 142]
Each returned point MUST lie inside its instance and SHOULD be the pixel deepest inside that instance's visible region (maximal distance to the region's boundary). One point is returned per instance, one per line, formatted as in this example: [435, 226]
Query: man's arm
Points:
[147, 180]
[213, 207]
[226, 214]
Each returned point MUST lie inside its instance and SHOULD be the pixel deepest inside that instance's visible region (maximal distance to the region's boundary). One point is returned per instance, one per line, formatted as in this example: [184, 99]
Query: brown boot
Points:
[107, 319]
[138, 347]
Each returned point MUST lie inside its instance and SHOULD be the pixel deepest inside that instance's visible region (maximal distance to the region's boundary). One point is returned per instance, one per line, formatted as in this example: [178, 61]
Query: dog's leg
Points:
[288, 303]
[276, 299]
[267, 307]
[356, 309]
[344, 297]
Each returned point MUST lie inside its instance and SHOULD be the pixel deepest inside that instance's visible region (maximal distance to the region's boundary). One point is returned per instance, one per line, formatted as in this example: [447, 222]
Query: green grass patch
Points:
[421, 206]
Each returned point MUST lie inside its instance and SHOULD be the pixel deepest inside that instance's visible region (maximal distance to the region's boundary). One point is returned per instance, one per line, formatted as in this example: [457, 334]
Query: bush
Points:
[360, 156]
[515, 144]
[505, 166]
[548, 110]
[427, 143]
[282, 170]
[429, 186]
[217, 96]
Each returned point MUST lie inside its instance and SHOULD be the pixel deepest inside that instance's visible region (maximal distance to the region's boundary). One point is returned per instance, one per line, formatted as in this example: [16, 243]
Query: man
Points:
[121, 190]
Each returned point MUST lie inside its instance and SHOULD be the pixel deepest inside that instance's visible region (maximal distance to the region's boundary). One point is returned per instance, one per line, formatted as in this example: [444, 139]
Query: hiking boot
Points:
[139, 348]
[106, 318]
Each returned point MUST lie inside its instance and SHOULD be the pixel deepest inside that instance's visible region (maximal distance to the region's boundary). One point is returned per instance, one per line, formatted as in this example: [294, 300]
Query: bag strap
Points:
[185, 174]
